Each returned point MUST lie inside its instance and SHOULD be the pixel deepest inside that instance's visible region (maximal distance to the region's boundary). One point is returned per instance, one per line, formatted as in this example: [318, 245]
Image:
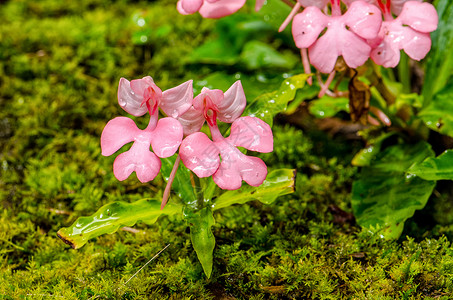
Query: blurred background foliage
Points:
[60, 63]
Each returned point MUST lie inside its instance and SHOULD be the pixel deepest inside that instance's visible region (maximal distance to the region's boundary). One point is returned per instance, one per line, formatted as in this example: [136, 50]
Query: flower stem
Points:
[170, 182]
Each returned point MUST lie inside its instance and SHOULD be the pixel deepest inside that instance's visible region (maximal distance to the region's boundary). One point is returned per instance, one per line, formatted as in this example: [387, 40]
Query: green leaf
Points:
[439, 168]
[328, 106]
[268, 105]
[438, 114]
[364, 157]
[110, 217]
[182, 184]
[439, 66]
[278, 183]
[384, 196]
[203, 240]
[258, 55]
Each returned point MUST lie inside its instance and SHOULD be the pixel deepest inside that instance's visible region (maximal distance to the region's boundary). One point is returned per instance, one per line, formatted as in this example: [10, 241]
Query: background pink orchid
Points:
[226, 107]
[345, 36]
[210, 8]
[408, 32]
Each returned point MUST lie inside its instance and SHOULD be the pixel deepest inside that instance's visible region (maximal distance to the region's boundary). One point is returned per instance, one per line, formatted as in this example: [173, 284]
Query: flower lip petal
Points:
[118, 132]
[307, 26]
[200, 154]
[166, 137]
[129, 100]
[251, 133]
[363, 19]
[419, 16]
[191, 6]
[138, 159]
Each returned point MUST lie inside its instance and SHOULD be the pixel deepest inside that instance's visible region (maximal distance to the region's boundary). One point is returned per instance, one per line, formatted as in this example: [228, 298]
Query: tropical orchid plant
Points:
[205, 165]
[180, 130]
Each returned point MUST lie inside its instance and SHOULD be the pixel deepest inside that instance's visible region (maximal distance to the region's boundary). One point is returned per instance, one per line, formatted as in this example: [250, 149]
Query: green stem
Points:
[404, 73]
[196, 185]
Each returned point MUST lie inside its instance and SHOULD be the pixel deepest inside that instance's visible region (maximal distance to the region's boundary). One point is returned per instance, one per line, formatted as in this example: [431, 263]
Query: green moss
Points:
[60, 63]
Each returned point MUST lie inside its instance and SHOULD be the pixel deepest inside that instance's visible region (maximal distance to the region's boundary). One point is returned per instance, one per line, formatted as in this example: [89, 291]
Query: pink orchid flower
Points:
[164, 135]
[142, 95]
[395, 5]
[408, 32]
[209, 8]
[202, 156]
[346, 34]
[227, 107]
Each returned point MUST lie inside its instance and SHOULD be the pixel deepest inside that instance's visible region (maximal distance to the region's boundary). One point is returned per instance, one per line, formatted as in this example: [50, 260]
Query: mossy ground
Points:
[60, 62]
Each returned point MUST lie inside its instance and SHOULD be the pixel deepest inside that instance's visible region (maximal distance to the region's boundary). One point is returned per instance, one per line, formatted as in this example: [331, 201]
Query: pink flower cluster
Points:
[361, 32]
[218, 157]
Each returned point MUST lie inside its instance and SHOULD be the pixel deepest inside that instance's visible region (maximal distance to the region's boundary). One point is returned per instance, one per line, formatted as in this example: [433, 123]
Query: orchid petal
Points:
[416, 44]
[324, 52]
[166, 137]
[220, 8]
[252, 134]
[191, 6]
[181, 9]
[200, 154]
[138, 159]
[236, 166]
[420, 16]
[386, 54]
[177, 100]
[191, 121]
[117, 133]
[355, 51]
[129, 100]
[215, 96]
[233, 104]
[139, 86]
[363, 19]
[307, 26]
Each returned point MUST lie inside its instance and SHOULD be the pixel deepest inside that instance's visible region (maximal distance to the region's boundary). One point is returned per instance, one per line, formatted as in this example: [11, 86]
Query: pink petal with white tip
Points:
[191, 6]
[236, 166]
[180, 9]
[117, 133]
[363, 19]
[177, 100]
[129, 100]
[419, 16]
[191, 121]
[200, 154]
[138, 159]
[166, 137]
[252, 134]
[233, 104]
[307, 26]
[220, 8]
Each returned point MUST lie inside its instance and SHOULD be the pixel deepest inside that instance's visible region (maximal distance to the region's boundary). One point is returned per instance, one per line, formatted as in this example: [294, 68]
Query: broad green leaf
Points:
[364, 157]
[203, 240]
[439, 168]
[438, 114]
[182, 184]
[384, 196]
[439, 66]
[278, 183]
[110, 217]
[328, 106]
[259, 55]
[268, 105]
[216, 51]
